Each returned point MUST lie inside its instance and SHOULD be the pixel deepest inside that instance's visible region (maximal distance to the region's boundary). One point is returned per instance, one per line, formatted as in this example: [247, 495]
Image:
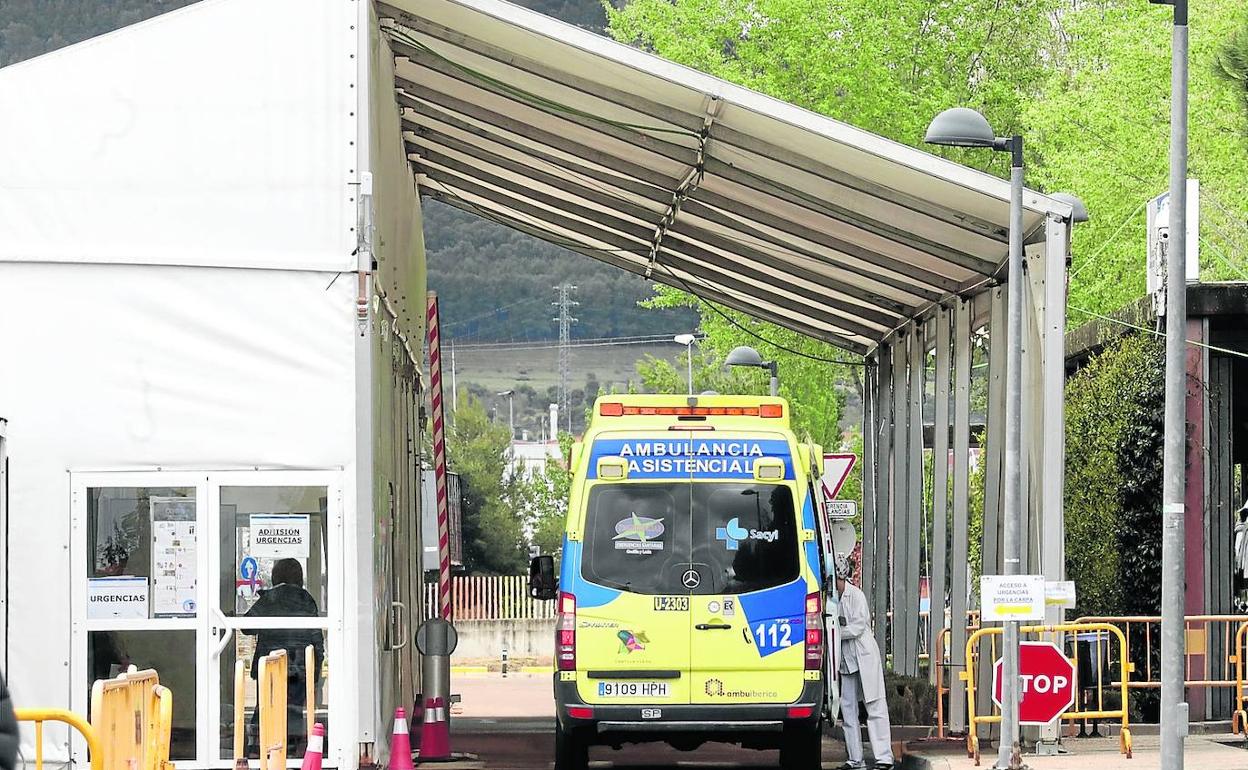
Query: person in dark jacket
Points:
[287, 598]
[8, 729]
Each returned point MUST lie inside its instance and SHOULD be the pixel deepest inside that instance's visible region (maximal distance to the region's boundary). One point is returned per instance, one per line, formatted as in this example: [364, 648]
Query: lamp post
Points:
[744, 355]
[687, 340]
[1174, 716]
[964, 127]
[511, 413]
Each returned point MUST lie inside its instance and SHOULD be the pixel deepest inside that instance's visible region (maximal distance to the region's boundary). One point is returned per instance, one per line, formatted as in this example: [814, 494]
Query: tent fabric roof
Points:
[689, 180]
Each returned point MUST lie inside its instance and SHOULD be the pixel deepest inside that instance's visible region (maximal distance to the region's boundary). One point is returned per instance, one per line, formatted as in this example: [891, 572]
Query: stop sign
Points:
[1046, 683]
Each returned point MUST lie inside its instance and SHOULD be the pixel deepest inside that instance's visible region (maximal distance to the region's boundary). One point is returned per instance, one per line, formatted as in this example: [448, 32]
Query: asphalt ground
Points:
[530, 746]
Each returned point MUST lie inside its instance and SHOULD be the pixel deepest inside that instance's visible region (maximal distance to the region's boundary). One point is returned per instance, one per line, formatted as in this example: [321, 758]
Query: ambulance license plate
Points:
[632, 689]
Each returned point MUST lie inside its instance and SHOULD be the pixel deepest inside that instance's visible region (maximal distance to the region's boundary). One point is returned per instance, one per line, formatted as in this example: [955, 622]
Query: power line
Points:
[1157, 333]
[485, 347]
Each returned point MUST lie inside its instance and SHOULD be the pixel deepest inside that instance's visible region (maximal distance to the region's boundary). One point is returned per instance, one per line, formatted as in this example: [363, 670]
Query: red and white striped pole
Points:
[439, 457]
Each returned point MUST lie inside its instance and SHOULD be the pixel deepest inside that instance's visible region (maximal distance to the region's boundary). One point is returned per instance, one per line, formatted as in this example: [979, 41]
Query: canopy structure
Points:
[689, 180]
[874, 246]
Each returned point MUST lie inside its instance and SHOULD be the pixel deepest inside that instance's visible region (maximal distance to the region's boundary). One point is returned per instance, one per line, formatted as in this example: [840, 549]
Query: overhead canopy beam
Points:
[692, 181]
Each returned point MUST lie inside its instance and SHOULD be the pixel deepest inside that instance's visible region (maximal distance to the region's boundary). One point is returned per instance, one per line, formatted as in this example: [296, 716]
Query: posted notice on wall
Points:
[1011, 597]
[117, 597]
[280, 536]
[1060, 593]
[173, 557]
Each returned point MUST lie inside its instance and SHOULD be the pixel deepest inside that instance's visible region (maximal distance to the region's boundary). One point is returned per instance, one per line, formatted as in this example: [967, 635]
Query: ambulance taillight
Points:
[565, 633]
[814, 631]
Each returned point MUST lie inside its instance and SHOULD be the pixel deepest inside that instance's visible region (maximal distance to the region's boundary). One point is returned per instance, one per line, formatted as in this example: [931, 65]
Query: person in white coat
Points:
[862, 675]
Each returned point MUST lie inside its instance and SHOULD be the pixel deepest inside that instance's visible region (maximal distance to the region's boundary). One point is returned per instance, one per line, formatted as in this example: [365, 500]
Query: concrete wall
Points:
[483, 640]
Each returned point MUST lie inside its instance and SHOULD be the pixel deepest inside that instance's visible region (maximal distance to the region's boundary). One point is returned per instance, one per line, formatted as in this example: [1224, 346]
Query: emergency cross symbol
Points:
[732, 534]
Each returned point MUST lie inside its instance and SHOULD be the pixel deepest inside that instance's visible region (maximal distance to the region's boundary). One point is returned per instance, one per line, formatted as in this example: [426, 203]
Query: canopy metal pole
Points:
[914, 517]
[870, 375]
[901, 496]
[940, 499]
[883, 486]
[961, 511]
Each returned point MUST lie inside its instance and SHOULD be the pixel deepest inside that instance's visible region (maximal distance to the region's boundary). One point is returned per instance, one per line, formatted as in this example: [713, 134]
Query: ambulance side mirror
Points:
[542, 582]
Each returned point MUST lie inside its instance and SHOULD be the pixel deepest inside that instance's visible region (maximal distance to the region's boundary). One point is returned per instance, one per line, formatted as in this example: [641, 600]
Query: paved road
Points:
[535, 751]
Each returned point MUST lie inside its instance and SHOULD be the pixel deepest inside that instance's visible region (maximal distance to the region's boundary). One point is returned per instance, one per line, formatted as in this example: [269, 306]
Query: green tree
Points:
[492, 532]
[1232, 61]
[1100, 128]
[814, 387]
[544, 496]
[1113, 480]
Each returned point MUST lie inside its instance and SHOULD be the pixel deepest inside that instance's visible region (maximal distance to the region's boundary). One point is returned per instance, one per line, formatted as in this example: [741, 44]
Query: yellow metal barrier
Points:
[39, 716]
[240, 706]
[1200, 668]
[1239, 720]
[309, 682]
[1126, 667]
[132, 717]
[271, 702]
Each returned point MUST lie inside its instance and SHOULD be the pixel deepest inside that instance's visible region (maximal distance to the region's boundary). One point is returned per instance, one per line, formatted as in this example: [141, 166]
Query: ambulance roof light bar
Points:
[616, 409]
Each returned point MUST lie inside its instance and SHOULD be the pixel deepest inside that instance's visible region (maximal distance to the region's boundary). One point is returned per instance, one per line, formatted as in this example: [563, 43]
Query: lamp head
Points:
[960, 127]
[684, 339]
[1079, 212]
[744, 355]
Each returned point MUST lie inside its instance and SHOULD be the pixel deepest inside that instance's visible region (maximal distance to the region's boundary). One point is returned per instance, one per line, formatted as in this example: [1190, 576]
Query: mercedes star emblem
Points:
[691, 579]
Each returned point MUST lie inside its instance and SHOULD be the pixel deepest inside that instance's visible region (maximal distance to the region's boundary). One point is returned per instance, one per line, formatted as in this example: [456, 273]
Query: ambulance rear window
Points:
[747, 534]
[636, 535]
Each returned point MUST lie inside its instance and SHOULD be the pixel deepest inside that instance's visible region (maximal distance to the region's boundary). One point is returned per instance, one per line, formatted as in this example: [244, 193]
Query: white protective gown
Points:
[862, 681]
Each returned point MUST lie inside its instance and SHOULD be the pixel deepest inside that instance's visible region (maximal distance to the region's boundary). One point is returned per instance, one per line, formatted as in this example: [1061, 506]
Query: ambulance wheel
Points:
[802, 749]
[571, 749]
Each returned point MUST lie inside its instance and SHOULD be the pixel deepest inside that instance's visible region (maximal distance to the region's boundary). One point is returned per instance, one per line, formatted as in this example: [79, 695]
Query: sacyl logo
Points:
[733, 533]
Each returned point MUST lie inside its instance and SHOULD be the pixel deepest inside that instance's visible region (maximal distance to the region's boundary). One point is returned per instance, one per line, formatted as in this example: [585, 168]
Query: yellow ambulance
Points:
[689, 590]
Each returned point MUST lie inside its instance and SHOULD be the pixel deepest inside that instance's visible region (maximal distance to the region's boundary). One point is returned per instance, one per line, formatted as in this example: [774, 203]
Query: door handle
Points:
[223, 641]
[713, 627]
[399, 610]
[225, 638]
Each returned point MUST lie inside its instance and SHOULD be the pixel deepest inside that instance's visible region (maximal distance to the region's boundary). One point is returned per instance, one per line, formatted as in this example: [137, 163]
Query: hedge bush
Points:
[1113, 478]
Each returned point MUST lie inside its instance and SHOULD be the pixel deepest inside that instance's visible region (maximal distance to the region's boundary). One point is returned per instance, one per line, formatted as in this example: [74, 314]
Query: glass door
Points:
[276, 584]
[191, 573]
[138, 552]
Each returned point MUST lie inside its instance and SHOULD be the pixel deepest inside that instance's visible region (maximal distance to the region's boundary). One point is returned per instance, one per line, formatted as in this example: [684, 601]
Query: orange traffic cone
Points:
[316, 748]
[435, 732]
[400, 743]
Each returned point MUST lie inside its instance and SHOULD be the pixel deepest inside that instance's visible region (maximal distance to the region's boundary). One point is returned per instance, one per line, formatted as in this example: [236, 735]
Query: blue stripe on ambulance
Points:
[699, 458]
[587, 594]
[768, 612]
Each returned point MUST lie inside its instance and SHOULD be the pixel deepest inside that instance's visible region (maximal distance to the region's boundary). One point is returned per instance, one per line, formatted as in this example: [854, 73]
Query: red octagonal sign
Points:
[1046, 683]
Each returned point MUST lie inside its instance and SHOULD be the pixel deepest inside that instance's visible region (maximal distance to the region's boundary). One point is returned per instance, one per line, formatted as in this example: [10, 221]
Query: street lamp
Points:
[511, 413]
[687, 340]
[964, 127]
[744, 355]
[1078, 211]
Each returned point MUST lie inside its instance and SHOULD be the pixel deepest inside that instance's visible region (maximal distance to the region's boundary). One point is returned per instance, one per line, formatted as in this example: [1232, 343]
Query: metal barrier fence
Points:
[271, 703]
[1210, 649]
[39, 716]
[132, 716]
[1075, 714]
[490, 597]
